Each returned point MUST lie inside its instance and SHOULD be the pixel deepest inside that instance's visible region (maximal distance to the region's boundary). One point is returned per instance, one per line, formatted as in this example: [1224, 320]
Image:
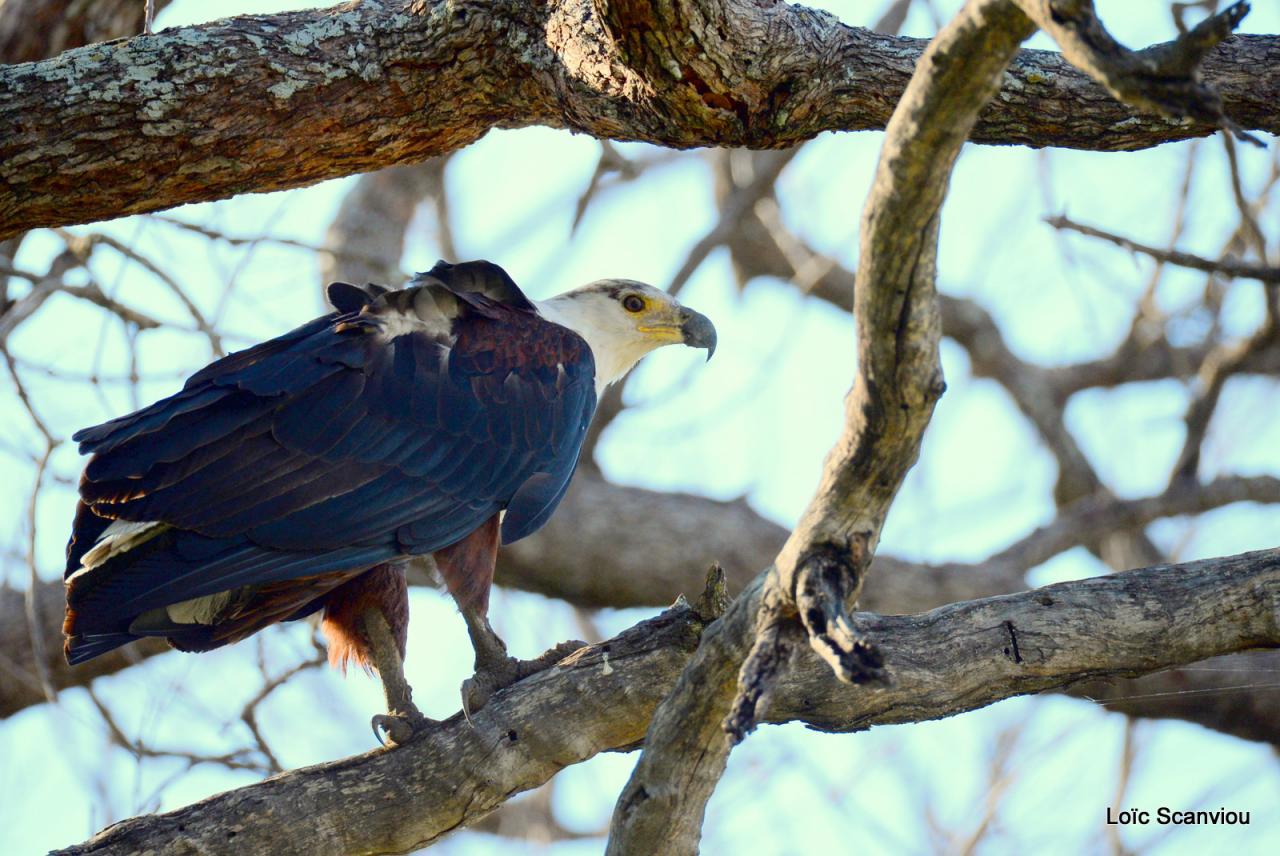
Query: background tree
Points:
[1099, 414]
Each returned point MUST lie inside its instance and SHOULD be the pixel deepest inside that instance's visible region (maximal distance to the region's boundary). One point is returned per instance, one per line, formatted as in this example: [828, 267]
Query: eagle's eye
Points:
[633, 303]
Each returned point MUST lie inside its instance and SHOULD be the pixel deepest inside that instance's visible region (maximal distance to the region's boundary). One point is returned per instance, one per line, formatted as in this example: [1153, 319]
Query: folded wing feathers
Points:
[397, 425]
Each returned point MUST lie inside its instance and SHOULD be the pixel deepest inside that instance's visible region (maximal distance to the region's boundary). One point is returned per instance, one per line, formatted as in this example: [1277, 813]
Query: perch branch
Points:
[956, 658]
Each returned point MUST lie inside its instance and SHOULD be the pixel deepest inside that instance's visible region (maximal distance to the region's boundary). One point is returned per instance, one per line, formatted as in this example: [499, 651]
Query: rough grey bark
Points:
[955, 658]
[269, 102]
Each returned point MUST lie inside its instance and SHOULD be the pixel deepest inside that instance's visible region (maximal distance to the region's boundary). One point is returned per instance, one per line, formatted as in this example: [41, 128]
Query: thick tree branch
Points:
[200, 113]
[1246, 709]
[1163, 79]
[956, 658]
[899, 373]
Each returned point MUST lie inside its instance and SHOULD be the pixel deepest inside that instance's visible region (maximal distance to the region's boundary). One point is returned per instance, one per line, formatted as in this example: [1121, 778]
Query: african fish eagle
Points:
[295, 477]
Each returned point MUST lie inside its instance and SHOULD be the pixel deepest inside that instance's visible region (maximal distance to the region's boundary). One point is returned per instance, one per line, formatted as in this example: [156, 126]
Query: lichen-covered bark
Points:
[955, 658]
[269, 102]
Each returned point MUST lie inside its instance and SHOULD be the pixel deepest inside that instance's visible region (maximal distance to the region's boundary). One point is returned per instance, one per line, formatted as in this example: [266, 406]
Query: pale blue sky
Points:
[775, 389]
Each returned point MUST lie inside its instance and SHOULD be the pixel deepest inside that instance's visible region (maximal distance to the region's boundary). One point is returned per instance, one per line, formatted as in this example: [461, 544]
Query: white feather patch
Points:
[119, 537]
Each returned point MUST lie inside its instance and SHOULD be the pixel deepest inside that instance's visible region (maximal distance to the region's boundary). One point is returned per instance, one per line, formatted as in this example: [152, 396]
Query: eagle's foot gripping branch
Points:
[497, 673]
[402, 721]
[398, 728]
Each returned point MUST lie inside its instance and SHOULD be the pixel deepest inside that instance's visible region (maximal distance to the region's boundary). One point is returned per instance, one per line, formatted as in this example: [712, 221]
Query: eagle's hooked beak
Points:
[698, 331]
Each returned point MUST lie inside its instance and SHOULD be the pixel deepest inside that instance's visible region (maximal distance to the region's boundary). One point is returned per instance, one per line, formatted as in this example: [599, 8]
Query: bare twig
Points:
[35, 631]
[1217, 369]
[82, 246]
[41, 290]
[240, 759]
[1227, 267]
[249, 714]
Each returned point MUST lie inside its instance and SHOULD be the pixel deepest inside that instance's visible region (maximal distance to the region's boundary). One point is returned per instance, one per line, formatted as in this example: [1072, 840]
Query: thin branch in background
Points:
[739, 203]
[42, 289]
[810, 267]
[1124, 773]
[25, 398]
[1147, 319]
[238, 240]
[532, 819]
[1252, 231]
[239, 759]
[1001, 775]
[1093, 518]
[68, 376]
[93, 294]
[1226, 267]
[10, 271]
[614, 169]
[39, 653]
[33, 582]
[444, 210]
[610, 161]
[249, 713]
[1218, 367]
[82, 246]
[893, 17]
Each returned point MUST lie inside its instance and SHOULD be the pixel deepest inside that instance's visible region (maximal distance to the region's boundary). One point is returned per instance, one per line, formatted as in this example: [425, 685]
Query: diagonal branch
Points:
[819, 571]
[956, 658]
[1227, 267]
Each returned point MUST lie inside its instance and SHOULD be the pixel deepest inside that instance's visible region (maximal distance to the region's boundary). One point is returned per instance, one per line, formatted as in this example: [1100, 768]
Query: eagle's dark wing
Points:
[361, 436]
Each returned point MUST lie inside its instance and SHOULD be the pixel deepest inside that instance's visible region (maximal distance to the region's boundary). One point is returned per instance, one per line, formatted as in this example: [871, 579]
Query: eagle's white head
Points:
[622, 320]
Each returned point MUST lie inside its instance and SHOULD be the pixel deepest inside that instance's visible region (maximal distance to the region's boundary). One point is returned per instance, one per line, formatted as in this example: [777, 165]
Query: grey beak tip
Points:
[699, 332]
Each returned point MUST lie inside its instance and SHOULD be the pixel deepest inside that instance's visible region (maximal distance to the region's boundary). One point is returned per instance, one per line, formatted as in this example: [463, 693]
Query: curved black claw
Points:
[399, 728]
[498, 674]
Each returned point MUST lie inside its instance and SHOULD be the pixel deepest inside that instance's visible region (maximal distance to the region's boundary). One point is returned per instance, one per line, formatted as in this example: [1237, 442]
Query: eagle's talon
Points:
[399, 728]
[499, 673]
[488, 679]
